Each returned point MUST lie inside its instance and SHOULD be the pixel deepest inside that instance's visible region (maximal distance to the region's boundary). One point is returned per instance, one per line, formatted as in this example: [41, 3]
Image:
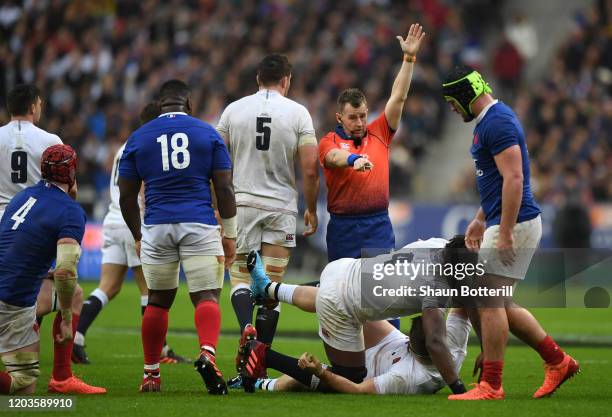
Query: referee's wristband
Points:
[230, 227]
[457, 387]
[352, 158]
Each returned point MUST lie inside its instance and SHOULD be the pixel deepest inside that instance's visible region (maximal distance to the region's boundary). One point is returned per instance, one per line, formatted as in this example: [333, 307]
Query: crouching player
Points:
[40, 224]
[341, 313]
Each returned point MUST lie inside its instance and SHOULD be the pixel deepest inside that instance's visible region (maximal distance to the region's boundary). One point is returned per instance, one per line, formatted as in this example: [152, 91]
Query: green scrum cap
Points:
[462, 87]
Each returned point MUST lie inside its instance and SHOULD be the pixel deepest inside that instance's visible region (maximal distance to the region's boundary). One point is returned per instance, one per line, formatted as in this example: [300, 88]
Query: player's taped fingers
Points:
[203, 272]
[239, 273]
[23, 367]
[275, 267]
[161, 276]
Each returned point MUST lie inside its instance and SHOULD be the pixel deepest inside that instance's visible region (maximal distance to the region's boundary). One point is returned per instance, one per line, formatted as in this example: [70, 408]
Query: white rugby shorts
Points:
[256, 226]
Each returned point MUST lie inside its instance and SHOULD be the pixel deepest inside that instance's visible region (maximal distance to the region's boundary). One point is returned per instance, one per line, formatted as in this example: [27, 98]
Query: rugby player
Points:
[176, 156]
[507, 230]
[266, 134]
[341, 312]
[22, 144]
[118, 254]
[396, 363]
[40, 224]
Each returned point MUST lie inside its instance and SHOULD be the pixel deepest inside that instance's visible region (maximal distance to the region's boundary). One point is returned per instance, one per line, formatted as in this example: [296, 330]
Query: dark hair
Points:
[353, 96]
[455, 252]
[272, 69]
[20, 98]
[149, 112]
[458, 73]
[174, 92]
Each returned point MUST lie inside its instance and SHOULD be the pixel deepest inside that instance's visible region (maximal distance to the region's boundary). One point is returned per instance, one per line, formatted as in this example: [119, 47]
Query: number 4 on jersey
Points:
[20, 215]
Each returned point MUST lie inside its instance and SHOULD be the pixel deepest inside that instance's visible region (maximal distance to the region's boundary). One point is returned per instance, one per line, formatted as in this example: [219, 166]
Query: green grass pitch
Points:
[114, 347]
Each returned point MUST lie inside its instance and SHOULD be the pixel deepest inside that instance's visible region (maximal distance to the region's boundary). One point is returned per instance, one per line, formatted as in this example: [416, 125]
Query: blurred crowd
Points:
[567, 117]
[99, 62]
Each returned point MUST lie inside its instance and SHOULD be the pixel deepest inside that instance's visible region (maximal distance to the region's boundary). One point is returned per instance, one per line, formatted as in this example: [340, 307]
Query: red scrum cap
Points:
[59, 164]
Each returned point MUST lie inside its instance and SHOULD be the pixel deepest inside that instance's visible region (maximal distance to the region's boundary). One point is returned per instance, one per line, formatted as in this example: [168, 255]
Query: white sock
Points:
[210, 349]
[282, 292]
[100, 295]
[154, 368]
[267, 384]
[144, 300]
[79, 339]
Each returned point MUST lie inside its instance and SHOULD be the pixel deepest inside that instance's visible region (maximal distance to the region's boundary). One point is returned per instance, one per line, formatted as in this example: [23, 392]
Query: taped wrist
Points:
[352, 158]
[67, 260]
[230, 227]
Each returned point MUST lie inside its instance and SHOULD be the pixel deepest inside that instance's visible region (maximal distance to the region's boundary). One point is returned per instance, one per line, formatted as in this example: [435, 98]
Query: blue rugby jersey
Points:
[34, 220]
[175, 155]
[498, 130]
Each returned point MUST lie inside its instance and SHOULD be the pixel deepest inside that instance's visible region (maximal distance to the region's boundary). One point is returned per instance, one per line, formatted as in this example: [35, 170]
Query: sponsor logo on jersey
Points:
[345, 146]
[290, 237]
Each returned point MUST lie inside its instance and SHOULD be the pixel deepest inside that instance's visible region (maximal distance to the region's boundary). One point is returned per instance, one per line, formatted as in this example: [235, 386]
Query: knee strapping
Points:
[161, 276]
[239, 274]
[23, 367]
[275, 267]
[203, 272]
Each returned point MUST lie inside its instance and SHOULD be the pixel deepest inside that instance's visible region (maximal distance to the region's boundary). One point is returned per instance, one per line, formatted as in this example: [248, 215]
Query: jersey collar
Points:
[172, 112]
[485, 110]
[340, 132]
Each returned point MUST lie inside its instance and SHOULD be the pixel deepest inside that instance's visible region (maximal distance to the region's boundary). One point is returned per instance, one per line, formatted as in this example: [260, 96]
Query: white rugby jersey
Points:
[353, 294]
[263, 132]
[114, 218]
[389, 351]
[409, 376]
[21, 147]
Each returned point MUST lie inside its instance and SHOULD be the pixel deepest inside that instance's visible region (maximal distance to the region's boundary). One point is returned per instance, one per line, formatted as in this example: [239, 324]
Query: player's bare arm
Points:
[410, 47]
[65, 275]
[434, 326]
[510, 165]
[338, 383]
[226, 204]
[475, 231]
[309, 164]
[128, 201]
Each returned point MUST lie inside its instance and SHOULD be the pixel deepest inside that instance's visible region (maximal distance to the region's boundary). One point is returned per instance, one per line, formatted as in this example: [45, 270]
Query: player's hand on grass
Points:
[474, 234]
[505, 248]
[311, 221]
[229, 250]
[412, 43]
[65, 333]
[363, 164]
[310, 363]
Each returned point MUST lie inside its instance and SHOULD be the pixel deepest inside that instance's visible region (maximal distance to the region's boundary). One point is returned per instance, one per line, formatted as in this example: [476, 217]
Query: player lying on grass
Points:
[118, 254]
[341, 313]
[396, 363]
[40, 224]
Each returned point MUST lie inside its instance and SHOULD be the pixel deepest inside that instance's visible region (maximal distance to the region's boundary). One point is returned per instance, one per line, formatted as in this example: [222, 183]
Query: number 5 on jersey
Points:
[20, 215]
[176, 151]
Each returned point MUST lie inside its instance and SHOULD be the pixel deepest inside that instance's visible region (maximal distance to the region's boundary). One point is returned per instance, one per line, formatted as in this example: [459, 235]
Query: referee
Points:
[355, 158]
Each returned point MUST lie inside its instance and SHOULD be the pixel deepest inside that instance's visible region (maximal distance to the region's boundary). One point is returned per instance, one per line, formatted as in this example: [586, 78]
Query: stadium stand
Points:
[99, 62]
